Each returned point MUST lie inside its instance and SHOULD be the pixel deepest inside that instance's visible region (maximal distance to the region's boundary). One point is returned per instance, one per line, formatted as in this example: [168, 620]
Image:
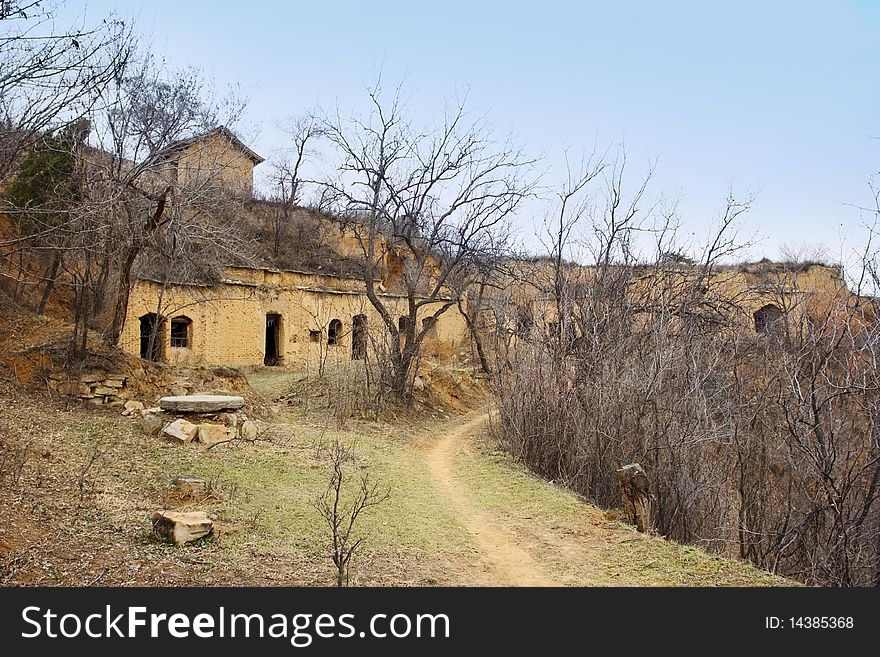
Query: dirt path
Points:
[503, 560]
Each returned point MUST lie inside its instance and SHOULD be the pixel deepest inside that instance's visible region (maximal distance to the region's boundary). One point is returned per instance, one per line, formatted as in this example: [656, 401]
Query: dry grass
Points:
[269, 534]
[259, 495]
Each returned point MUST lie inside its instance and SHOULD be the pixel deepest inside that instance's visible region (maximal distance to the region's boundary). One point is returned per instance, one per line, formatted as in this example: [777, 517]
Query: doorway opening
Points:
[273, 339]
[151, 337]
[359, 337]
[334, 332]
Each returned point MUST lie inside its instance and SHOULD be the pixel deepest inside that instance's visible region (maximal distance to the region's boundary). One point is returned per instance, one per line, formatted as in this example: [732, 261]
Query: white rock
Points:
[132, 407]
[181, 430]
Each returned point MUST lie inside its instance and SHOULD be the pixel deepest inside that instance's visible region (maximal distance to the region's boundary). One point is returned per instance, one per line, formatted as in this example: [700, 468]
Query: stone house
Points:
[264, 316]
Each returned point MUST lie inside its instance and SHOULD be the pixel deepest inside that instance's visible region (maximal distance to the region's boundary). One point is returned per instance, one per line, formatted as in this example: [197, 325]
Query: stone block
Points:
[181, 527]
[181, 430]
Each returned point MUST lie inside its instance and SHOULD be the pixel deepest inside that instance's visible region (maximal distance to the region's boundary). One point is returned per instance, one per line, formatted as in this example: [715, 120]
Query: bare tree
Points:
[760, 438]
[50, 77]
[286, 177]
[138, 190]
[341, 505]
[423, 204]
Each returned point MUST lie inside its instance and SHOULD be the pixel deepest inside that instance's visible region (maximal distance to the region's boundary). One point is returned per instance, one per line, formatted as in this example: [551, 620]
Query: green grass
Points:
[652, 561]
[266, 492]
[272, 383]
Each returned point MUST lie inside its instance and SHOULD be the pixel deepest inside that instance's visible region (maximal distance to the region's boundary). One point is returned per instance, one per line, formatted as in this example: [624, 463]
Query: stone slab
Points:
[201, 403]
[181, 430]
[211, 434]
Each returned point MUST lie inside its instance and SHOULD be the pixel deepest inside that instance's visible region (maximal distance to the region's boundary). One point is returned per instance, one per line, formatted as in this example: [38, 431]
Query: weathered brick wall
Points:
[229, 320]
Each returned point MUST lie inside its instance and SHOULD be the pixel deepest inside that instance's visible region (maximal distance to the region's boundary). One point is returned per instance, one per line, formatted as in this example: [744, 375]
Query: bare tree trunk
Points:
[475, 334]
[123, 288]
[638, 503]
[50, 282]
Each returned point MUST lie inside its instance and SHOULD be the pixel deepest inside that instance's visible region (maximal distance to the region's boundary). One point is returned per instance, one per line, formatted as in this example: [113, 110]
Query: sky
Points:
[778, 99]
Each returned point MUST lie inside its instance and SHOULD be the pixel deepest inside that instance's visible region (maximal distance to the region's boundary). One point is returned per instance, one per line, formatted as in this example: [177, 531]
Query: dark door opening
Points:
[151, 337]
[273, 332]
[359, 337]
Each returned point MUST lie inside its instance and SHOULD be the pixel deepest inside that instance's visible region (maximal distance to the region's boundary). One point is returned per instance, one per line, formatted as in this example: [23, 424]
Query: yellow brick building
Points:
[267, 317]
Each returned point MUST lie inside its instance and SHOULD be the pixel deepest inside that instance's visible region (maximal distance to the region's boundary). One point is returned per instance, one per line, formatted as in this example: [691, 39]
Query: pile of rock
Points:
[207, 419]
[96, 388]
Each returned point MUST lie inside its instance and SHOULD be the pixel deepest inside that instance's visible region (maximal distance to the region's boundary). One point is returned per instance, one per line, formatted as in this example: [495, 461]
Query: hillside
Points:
[460, 513]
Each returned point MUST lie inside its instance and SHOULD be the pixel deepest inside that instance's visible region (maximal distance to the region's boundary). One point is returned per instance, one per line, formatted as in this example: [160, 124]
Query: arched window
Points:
[181, 332]
[334, 332]
[768, 319]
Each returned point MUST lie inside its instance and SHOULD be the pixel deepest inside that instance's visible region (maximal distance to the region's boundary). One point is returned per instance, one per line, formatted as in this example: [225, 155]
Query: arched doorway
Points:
[358, 337]
[151, 337]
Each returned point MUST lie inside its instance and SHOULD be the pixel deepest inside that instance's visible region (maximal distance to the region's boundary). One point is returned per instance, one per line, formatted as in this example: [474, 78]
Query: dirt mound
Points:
[450, 388]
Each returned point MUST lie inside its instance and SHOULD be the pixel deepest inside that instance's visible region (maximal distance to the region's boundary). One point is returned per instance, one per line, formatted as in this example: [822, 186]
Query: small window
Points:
[403, 324]
[180, 330]
[314, 336]
[334, 331]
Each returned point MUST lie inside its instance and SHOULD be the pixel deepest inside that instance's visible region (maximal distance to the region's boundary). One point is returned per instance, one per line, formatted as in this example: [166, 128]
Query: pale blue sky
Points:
[777, 98]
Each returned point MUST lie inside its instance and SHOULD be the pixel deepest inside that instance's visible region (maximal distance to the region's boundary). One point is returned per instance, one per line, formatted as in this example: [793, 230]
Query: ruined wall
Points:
[229, 320]
[737, 291]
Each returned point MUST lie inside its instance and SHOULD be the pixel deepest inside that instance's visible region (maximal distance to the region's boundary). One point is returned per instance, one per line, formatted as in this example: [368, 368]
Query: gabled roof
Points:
[220, 131]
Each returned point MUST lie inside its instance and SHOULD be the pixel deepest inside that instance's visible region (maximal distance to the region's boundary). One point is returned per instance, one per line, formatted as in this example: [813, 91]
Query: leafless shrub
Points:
[763, 445]
[98, 450]
[347, 496]
[13, 459]
[221, 489]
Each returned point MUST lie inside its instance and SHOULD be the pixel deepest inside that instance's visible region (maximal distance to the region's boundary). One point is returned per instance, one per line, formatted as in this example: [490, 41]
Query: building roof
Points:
[221, 131]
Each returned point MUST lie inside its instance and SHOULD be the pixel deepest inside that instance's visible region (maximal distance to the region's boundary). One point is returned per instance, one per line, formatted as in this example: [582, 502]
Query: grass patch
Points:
[262, 494]
[651, 561]
[606, 552]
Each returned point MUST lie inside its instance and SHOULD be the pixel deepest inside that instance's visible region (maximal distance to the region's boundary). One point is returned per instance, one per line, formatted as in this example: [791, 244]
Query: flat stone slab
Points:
[201, 403]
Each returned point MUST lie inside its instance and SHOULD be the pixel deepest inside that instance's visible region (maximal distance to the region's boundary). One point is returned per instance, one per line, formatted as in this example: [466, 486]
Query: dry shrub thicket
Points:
[760, 445]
